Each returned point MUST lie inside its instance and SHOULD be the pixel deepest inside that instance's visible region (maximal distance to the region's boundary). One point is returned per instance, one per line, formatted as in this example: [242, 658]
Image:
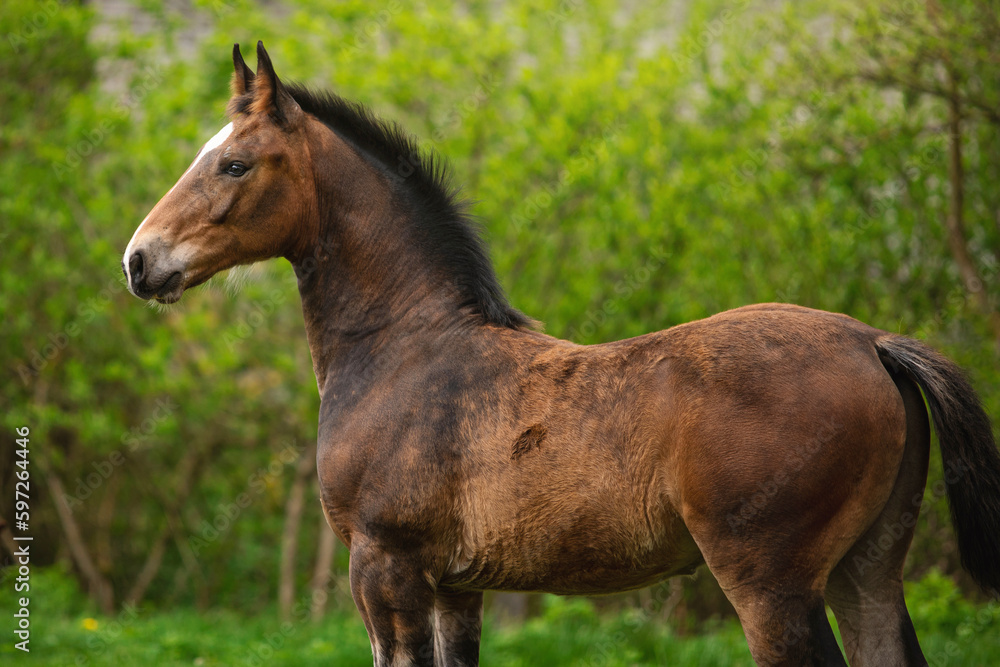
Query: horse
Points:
[461, 450]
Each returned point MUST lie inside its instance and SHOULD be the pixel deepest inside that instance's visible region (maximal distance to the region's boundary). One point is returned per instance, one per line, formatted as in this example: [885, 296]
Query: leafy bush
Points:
[635, 167]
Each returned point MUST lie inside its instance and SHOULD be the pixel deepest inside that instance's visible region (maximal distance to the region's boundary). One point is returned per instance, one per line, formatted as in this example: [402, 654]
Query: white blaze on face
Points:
[209, 146]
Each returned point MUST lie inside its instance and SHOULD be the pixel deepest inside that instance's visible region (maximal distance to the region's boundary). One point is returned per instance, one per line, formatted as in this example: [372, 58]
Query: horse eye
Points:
[236, 169]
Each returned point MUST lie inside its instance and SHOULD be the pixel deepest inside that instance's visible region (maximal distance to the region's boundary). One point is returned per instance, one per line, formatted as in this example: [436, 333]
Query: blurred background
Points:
[635, 165]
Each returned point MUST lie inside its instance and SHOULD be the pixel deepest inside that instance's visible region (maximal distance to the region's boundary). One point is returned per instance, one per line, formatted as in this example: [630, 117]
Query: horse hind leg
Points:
[776, 566]
[776, 588]
[865, 589]
[786, 627]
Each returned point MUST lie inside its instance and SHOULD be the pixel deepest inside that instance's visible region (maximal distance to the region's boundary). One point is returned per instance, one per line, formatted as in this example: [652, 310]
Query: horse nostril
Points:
[135, 267]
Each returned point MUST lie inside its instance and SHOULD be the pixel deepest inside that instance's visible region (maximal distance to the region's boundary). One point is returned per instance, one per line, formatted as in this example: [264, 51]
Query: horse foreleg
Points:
[396, 600]
[458, 624]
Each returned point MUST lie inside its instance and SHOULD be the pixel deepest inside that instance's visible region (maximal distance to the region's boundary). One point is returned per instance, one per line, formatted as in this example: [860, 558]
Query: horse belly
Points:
[589, 555]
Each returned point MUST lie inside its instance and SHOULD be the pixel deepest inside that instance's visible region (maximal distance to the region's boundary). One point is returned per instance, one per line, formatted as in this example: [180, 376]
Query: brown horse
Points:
[460, 450]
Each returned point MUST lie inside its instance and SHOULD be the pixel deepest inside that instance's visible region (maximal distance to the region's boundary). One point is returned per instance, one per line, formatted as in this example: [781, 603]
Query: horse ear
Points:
[270, 96]
[242, 76]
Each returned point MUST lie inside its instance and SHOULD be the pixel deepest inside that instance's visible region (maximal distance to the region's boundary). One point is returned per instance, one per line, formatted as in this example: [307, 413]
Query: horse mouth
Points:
[171, 290]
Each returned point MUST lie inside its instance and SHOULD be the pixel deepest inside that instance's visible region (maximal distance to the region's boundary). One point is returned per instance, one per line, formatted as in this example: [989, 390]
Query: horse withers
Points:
[460, 450]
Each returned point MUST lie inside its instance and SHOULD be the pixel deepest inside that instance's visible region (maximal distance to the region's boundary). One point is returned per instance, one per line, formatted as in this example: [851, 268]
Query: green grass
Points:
[65, 631]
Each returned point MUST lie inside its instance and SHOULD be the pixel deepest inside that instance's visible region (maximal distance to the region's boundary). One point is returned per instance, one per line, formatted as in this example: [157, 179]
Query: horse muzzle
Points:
[150, 276]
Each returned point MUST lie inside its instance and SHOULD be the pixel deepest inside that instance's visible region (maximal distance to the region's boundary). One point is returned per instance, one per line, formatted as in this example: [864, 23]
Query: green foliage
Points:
[569, 631]
[953, 631]
[572, 632]
[635, 168]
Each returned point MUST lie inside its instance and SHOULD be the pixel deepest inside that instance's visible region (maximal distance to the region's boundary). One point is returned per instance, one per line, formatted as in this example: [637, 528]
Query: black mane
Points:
[450, 236]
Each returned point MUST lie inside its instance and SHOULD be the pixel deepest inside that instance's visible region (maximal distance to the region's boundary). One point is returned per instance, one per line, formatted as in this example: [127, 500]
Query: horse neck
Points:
[365, 288]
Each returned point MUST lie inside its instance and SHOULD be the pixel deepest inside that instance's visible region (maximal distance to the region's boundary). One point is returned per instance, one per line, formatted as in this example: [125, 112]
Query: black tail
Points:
[971, 459]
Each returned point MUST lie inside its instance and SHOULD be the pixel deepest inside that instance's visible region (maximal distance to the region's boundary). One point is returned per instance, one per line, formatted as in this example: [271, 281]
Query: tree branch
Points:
[189, 471]
[150, 568]
[894, 79]
[7, 537]
[956, 206]
[290, 534]
[323, 568]
[100, 588]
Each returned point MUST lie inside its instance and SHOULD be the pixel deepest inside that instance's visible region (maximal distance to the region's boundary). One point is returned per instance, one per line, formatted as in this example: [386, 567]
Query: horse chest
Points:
[387, 487]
